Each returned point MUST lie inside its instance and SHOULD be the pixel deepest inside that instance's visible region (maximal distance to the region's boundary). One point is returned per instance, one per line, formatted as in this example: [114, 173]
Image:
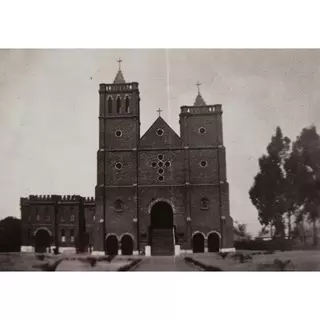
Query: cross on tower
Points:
[119, 61]
[159, 110]
[198, 84]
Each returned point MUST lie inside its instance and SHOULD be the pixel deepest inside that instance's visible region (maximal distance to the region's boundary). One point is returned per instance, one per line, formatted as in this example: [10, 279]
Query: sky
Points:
[49, 111]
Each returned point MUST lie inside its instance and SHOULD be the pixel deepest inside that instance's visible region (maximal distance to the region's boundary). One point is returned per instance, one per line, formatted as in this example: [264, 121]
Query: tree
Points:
[10, 235]
[268, 191]
[295, 172]
[240, 230]
[263, 232]
[307, 149]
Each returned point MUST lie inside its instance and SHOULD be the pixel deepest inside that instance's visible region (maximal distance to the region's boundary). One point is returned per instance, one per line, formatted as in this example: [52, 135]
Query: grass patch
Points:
[277, 265]
[242, 257]
[201, 265]
[51, 266]
[223, 255]
[130, 265]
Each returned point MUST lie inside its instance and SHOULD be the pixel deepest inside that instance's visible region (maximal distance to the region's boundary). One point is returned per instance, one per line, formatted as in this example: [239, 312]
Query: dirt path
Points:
[164, 264]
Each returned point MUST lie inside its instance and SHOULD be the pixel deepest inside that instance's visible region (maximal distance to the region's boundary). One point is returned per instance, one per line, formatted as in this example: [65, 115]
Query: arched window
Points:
[119, 205]
[204, 204]
[118, 105]
[127, 103]
[110, 105]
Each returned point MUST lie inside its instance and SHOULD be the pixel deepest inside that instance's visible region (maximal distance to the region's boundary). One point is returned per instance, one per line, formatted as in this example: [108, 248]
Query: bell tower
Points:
[117, 159]
[206, 180]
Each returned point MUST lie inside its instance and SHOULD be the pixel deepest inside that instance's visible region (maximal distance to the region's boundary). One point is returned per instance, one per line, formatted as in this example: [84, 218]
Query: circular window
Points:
[118, 165]
[160, 164]
[160, 157]
[160, 178]
[202, 130]
[160, 171]
[159, 132]
[167, 164]
[203, 163]
[153, 164]
[118, 133]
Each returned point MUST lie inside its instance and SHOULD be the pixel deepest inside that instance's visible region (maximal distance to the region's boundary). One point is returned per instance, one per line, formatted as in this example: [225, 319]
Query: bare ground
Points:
[63, 262]
[262, 261]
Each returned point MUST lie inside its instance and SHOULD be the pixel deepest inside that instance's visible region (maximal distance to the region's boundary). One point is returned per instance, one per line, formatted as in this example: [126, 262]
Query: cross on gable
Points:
[119, 61]
[159, 111]
[198, 84]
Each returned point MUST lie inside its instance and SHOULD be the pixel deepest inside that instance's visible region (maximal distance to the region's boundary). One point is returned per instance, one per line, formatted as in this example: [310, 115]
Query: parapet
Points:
[89, 200]
[212, 109]
[115, 87]
[52, 198]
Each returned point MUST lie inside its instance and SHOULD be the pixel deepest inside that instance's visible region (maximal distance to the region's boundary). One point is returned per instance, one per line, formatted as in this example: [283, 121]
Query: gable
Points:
[160, 135]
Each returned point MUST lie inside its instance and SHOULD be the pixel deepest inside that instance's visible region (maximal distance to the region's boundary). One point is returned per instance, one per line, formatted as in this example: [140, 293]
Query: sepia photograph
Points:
[160, 160]
[161, 139]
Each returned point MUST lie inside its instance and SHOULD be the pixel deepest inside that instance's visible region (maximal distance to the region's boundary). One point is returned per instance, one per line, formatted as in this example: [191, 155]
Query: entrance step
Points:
[162, 242]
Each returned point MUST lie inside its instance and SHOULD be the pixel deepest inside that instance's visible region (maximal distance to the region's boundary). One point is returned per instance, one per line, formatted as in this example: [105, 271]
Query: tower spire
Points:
[119, 77]
[199, 102]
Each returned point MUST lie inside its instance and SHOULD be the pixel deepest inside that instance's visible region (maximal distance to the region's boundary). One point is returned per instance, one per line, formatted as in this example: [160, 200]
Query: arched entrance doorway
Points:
[213, 242]
[198, 242]
[126, 245]
[112, 245]
[42, 240]
[161, 229]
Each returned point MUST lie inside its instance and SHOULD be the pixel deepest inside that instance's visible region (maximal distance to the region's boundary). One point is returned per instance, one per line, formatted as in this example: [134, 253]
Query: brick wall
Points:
[127, 174]
[173, 174]
[38, 212]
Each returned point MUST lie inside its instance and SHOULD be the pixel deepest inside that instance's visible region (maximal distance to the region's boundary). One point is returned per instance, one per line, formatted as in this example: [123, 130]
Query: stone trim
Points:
[128, 234]
[27, 249]
[227, 250]
[208, 234]
[67, 250]
[161, 200]
[112, 234]
[195, 232]
[147, 250]
[98, 253]
[43, 228]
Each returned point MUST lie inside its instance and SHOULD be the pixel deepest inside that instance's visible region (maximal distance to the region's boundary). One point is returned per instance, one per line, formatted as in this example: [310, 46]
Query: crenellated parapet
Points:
[115, 87]
[216, 108]
[49, 199]
[89, 200]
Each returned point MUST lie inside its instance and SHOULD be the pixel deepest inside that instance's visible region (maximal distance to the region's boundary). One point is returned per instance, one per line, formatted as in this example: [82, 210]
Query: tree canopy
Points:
[10, 235]
[288, 182]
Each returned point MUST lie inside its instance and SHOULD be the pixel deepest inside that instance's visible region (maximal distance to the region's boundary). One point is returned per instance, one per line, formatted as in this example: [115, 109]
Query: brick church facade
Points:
[159, 194]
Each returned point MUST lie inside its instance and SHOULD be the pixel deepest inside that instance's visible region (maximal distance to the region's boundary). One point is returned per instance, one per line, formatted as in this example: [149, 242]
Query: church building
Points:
[156, 194]
[160, 193]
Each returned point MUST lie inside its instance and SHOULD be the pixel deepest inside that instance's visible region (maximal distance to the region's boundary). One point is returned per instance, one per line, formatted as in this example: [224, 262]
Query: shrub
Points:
[283, 265]
[223, 255]
[268, 245]
[203, 266]
[92, 261]
[40, 257]
[129, 265]
[277, 265]
[51, 266]
[242, 257]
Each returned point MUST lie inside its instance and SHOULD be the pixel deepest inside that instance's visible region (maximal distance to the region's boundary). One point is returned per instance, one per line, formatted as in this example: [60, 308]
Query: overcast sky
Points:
[49, 111]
